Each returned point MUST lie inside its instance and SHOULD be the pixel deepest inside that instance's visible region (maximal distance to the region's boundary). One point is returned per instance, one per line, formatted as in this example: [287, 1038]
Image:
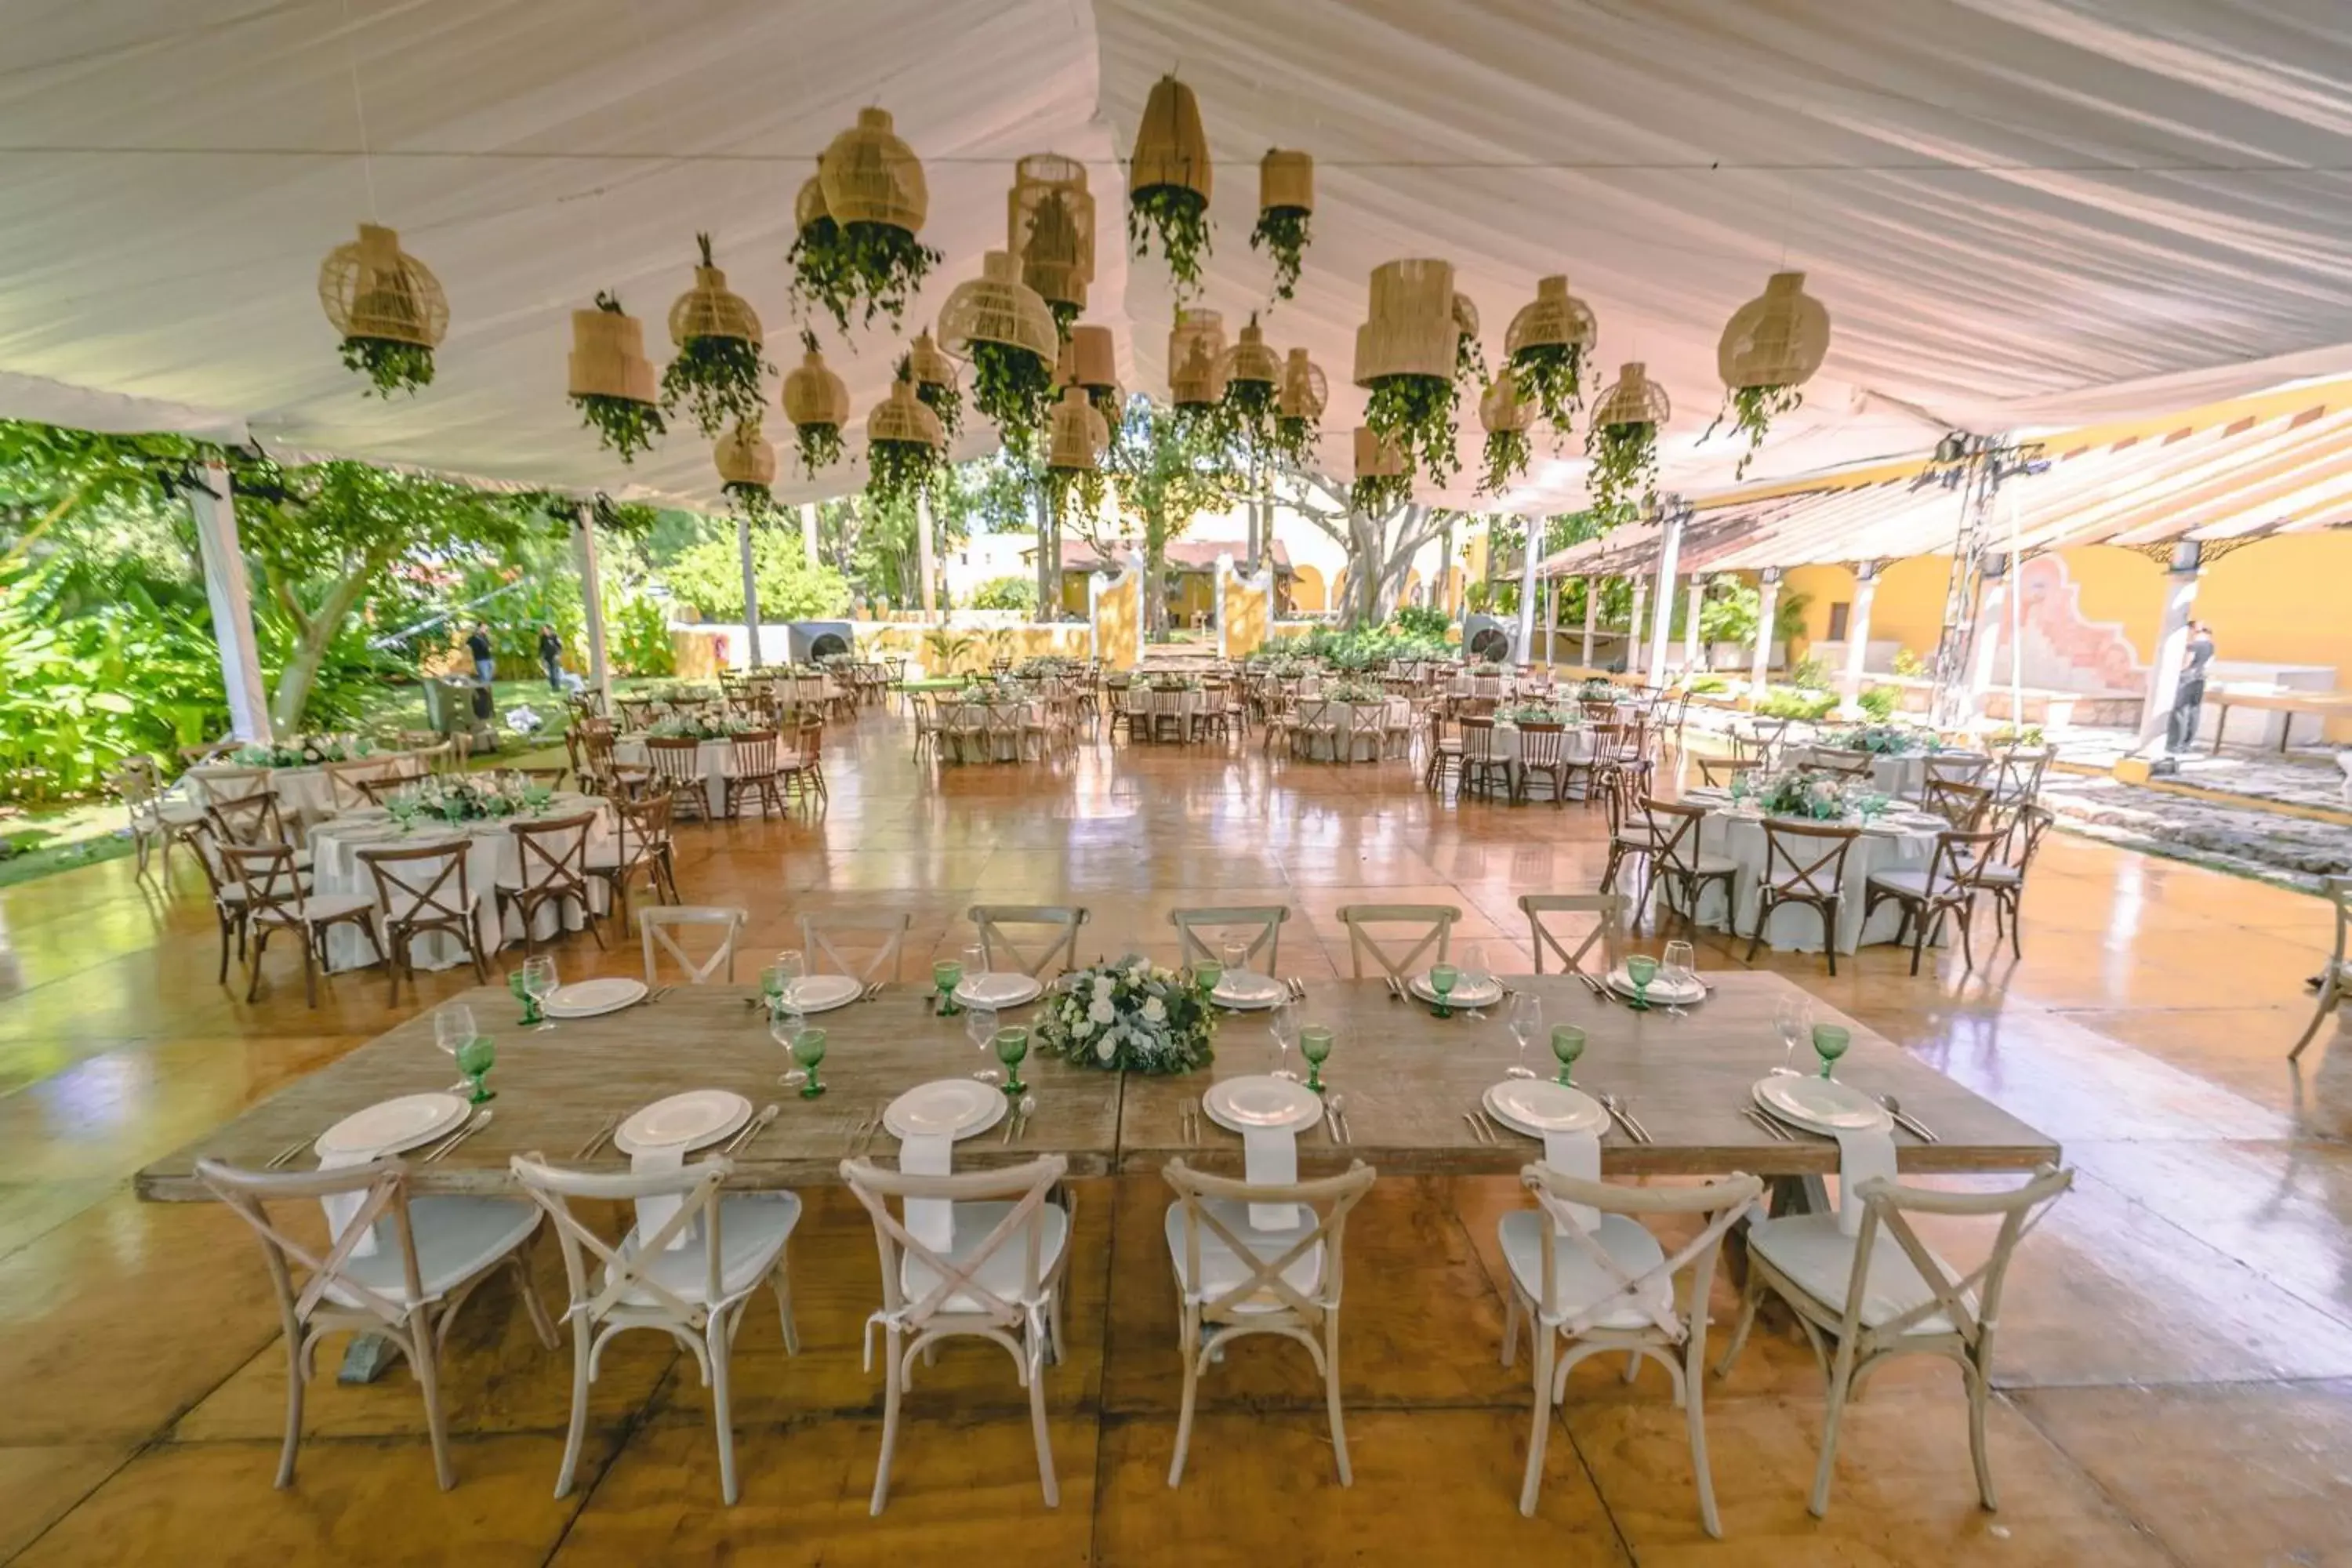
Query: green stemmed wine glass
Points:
[947, 974]
[1315, 1045]
[808, 1049]
[475, 1060]
[1012, 1045]
[522, 992]
[1206, 974]
[1566, 1044]
[1442, 978]
[1829, 1041]
[1641, 969]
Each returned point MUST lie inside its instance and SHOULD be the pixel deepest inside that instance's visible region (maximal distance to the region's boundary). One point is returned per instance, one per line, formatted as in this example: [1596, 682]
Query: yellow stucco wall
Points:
[1307, 589]
[1194, 593]
[1117, 601]
[1247, 610]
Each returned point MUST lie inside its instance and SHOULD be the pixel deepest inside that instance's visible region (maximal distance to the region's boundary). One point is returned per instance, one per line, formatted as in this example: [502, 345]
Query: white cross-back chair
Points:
[1259, 924]
[428, 1254]
[1882, 1292]
[1431, 924]
[695, 1294]
[659, 926]
[999, 1280]
[1608, 932]
[1611, 1287]
[1232, 1278]
[1059, 925]
[2335, 983]
[824, 937]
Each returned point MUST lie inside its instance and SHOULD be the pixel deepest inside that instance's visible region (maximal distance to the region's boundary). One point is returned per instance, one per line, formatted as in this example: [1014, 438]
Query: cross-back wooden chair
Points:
[1432, 923]
[676, 762]
[1804, 864]
[1961, 805]
[1058, 924]
[1445, 732]
[696, 1295]
[1608, 931]
[1677, 864]
[2335, 983]
[1483, 769]
[999, 1280]
[823, 937]
[344, 778]
[1883, 1292]
[250, 820]
[2017, 773]
[379, 787]
[1259, 924]
[801, 769]
[156, 820]
[640, 846]
[422, 888]
[1846, 764]
[660, 927]
[1233, 1280]
[372, 1277]
[1762, 742]
[1543, 751]
[2004, 876]
[1589, 1276]
[1948, 884]
[1717, 773]
[752, 771]
[1956, 767]
[276, 898]
[551, 868]
[217, 785]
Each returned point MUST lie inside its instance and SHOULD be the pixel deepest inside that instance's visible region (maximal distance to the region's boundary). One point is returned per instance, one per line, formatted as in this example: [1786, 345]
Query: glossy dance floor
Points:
[2176, 1351]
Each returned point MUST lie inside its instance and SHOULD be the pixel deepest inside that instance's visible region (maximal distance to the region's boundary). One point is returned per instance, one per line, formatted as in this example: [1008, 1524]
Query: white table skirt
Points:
[1324, 745]
[336, 869]
[965, 735]
[1798, 928]
[1140, 703]
[1902, 775]
[307, 794]
[1576, 746]
[715, 760]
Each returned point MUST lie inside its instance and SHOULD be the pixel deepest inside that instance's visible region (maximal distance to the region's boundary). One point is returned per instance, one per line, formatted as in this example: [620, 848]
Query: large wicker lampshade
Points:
[869, 175]
[387, 306]
[1778, 338]
[1078, 433]
[1091, 359]
[710, 310]
[1413, 329]
[1554, 318]
[1375, 459]
[1250, 360]
[1050, 225]
[997, 307]
[1196, 358]
[1500, 410]
[608, 357]
[1634, 399]
[902, 417]
[1171, 148]
[927, 364]
[813, 394]
[1305, 391]
[744, 458]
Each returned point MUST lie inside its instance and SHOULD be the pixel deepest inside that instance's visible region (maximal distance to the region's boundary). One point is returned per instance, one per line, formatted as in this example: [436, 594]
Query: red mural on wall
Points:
[2064, 650]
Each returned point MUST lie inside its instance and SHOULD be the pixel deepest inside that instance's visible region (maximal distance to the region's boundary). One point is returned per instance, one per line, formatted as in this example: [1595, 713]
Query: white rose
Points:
[1084, 1027]
[1155, 1011]
[1102, 988]
[1101, 1011]
[1106, 1048]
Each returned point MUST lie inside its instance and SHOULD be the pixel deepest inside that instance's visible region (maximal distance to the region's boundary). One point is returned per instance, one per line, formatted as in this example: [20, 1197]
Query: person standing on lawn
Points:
[478, 643]
[550, 657]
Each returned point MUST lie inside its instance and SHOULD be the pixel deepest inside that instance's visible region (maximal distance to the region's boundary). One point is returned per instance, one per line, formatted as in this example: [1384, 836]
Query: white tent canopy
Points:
[2019, 211]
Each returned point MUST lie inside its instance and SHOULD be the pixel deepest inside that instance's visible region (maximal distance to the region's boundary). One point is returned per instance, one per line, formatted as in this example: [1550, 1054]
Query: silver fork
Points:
[596, 1141]
[1766, 1122]
[286, 1156]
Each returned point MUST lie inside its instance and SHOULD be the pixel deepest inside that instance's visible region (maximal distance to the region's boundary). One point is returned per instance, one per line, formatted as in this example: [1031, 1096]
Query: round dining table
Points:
[1576, 748]
[1326, 731]
[1737, 834]
[986, 731]
[714, 763]
[491, 854]
[306, 793]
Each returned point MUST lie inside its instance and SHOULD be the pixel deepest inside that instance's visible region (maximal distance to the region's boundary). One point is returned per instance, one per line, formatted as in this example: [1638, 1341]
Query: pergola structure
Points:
[2184, 493]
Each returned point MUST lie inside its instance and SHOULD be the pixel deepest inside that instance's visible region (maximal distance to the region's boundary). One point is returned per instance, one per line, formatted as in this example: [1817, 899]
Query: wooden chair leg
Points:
[1046, 1480]
[1331, 1397]
[424, 1361]
[1841, 1386]
[1829, 913]
[581, 1335]
[2331, 996]
[717, 1343]
[1191, 1329]
[1539, 1434]
[1979, 1451]
[297, 1381]
[893, 1374]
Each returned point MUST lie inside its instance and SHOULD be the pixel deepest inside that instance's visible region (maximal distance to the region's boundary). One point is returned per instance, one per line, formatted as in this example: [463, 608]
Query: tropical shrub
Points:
[709, 576]
[1780, 702]
[1808, 675]
[1006, 594]
[1879, 702]
[639, 627]
[1421, 621]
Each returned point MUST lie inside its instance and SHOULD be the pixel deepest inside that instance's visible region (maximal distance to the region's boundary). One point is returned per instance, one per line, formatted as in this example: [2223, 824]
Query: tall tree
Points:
[1169, 470]
[1380, 546]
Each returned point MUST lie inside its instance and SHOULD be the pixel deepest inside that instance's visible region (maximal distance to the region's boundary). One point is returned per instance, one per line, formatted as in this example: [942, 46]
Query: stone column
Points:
[231, 596]
[1533, 528]
[751, 591]
[1662, 625]
[1691, 607]
[1591, 610]
[1766, 612]
[592, 601]
[1633, 625]
[2181, 579]
[1857, 627]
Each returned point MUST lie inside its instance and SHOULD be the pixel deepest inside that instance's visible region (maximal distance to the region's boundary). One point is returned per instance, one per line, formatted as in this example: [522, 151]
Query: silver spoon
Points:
[481, 1119]
[1339, 1118]
[1918, 1128]
[753, 1128]
[1028, 1110]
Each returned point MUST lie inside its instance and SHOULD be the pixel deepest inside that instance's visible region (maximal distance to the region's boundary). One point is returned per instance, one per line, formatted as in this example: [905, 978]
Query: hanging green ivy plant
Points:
[944, 398]
[819, 447]
[389, 364]
[623, 424]
[898, 473]
[1414, 417]
[842, 266]
[1508, 452]
[1294, 440]
[1624, 463]
[749, 500]
[1551, 375]
[1284, 233]
[1065, 316]
[1469, 359]
[1084, 489]
[1012, 386]
[1249, 415]
[717, 376]
[1751, 410]
[1179, 215]
[1376, 493]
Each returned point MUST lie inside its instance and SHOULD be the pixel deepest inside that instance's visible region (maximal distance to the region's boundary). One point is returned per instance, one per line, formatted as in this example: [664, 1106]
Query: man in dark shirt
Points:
[550, 657]
[2180, 729]
[478, 643]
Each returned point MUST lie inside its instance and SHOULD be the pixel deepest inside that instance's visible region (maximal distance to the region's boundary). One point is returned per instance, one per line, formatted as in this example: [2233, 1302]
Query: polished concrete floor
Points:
[2176, 1359]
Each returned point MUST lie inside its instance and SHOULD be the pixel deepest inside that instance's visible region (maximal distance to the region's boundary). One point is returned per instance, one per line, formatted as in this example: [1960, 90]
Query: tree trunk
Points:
[316, 635]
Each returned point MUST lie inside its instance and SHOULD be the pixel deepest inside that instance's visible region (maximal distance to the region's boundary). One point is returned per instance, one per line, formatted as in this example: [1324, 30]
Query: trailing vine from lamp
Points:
[1284, 233]
[899, 473]
[1506, 456]
[1179, 216]
[718, 376]
[1623, 469]
[944, 398]
[1414, 417]
[392, 365]
[623, 424]
[1014, 387]
[749, 499]
[1751, 410]
[1374, 494]
[1552, 376]
[842, 266]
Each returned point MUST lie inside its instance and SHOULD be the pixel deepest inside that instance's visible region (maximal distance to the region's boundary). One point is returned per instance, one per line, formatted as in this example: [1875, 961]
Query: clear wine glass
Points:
[453, 1026]
[1474, 976]
[792, 968]
[1525, 1017]
[1283, 1024]
[980, 1025]
[1237, 957]
[1794, 1019]
[785, 1028]
[539, 983]
[1680, 973]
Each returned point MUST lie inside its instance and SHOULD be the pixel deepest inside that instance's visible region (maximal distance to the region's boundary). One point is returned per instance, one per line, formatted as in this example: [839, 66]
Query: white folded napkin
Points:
[344, 1207]
[931, 1221]
[1270, 1159]
[654, 1213]
[1860, 1155]
[1576, 1154]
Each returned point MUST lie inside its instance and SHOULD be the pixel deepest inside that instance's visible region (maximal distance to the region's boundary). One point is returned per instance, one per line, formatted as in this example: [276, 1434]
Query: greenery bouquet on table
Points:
[1355, 692]
[308, 752]
[1130, 1015]
[699, 726]
[1804, 794]
[1595, 690]
[1882, 740]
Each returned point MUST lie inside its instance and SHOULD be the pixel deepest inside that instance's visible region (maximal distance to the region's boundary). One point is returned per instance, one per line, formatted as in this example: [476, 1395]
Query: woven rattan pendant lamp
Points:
[1408, 355]
[719, 373]
[388, 307]
[1770, 348]
[1077, 438]
[611, 381]
[1090, 361]
[934, 375]
[1253, 376]
[1545, 347]
[1050, 225]
[817, 404]
[1196, 359]
[747, 468]
[999, 324]
[1383, 477]
[1168, 184]
[1623, 444]
[857, 247]
[904, 447]
[1506, 418]
[1285, 211]
[1298, 407]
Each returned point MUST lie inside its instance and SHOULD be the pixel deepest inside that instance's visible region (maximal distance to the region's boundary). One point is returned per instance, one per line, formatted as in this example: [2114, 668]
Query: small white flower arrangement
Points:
[1131, 1015]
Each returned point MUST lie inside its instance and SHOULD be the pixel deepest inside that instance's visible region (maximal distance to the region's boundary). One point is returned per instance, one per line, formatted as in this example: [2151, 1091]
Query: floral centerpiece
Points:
[1803, 792]
[699, 726]
[307, 751]
[1175, 683]
[1596, 691]
[1882, 740]
[1536, 713]
[1130, 1015]
[1356, 691]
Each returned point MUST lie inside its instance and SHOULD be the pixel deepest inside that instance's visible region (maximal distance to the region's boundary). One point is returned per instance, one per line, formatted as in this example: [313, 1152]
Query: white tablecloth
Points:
[307, 794]
[1903, 775]
[1142, 701]
[1325, 745]
[1798, 928]
[335, 845]
[715, 760]
[977, 731]
[1576, 746]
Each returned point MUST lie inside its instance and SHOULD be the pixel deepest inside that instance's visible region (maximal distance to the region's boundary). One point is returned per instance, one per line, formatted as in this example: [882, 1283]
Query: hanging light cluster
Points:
[611, 381]
[1286, 212]
[720, 373]
[747, 469]
[817, 404]
[1169, 179]
[1623, 444]
[1408, 355]
[857, 221]
[905, 448]
[1545, 347]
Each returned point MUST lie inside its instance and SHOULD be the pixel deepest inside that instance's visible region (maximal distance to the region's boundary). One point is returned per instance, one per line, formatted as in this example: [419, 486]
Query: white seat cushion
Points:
[1222, 1270]
[752, 1230]
[457, 1239]
[1578, 1276]
[1716, 866]
[1912, 880]
[1818, 1258]
[2002, 876]
[323, 906]
[1005, 1273]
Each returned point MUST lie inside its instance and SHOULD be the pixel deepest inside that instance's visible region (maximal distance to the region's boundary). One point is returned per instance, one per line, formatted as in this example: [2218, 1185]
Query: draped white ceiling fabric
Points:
[2022, 214]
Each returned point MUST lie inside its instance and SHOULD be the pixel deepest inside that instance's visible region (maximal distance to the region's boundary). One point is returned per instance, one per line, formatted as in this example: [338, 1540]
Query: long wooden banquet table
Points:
[1409, 1077]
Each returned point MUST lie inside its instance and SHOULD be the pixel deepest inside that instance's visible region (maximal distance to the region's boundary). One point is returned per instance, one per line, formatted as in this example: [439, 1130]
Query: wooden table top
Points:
[1408, 1076]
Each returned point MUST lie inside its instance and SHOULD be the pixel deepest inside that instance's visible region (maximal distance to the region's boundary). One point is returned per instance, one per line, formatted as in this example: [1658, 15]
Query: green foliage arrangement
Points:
[1751, 410]
[641, 643]
[898, 472]
[1284, 233]
[623, 424]
[716, 379]
[1623, 462]
[1014, 387]
[818, 446]
[1178, 215]
[389, 364]
[749, 500]
[1005, 594]
[1129, 1017]
[1366, 649]
[1803, 794]
[1506, 458]
[841, 268]
[1781, 702]
[1294, 440]
[1879, 702]
[1373, 494]
[1552, 376]
[1882, 740]
[1065, 316]
[1910, 665]
[1250, 416]
[709, 576]
[1076, 493]
[1424, 622]
[1807, 674]
[1705, 684]
[1414, 416]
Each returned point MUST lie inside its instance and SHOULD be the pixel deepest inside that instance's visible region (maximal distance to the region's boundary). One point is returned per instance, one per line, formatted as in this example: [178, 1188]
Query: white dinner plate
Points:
[1469, 990]
[1246, 991]
[1661, 988]
[945, 1107]
[1822, 1104]
[997, 988]
[1535, 1106]
[1247, 1104]
[392, 1125]
[821, 992]
[686, 1120]
[588, 998]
